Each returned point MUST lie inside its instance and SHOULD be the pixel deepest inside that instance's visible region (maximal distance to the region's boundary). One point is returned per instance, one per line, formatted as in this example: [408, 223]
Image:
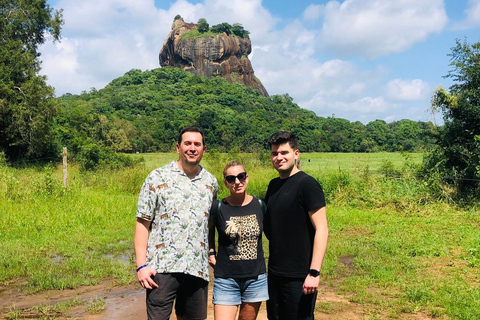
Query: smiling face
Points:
[191, 149]
[238, 186]
[283, 159]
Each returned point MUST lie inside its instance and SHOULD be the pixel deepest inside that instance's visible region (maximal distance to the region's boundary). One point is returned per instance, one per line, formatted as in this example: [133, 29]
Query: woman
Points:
[239, 266]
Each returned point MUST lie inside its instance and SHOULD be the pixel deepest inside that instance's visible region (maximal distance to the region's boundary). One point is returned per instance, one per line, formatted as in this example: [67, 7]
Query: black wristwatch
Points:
[314, 273]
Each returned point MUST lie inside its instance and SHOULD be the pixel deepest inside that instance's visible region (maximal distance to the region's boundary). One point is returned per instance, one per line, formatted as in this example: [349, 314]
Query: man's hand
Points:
[311, 284]
[145, 278]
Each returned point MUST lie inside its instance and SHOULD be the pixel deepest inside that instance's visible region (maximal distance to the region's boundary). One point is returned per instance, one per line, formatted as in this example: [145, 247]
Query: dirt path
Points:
[128, 302]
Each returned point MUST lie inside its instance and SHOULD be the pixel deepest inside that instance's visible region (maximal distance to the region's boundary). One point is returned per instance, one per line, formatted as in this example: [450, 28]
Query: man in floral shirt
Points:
[171, 232]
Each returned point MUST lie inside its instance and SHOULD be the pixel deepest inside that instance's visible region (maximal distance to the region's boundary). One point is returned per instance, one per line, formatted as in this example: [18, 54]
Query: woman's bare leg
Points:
[222, 312]
[249, 310]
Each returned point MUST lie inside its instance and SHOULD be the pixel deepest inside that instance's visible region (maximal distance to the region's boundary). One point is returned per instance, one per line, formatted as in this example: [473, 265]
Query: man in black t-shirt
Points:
[296, 226]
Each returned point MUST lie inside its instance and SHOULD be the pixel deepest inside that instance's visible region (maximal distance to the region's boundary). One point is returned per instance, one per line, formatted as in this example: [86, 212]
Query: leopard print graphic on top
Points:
[245, 231]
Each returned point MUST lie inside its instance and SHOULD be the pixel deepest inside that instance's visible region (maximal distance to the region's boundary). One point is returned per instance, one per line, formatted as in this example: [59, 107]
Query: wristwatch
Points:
[314, 273]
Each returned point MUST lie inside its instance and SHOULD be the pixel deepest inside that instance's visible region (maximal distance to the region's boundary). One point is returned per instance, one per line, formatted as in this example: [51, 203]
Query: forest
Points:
[142, 111]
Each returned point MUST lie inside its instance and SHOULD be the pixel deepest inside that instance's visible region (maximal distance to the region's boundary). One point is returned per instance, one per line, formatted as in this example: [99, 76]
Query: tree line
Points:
[142, 111]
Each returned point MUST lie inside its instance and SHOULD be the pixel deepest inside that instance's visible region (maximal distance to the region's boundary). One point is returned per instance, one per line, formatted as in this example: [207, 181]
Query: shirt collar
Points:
[175, 168]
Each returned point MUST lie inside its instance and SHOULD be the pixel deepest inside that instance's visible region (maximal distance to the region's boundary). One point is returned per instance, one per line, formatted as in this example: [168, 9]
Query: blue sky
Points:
[359, 60]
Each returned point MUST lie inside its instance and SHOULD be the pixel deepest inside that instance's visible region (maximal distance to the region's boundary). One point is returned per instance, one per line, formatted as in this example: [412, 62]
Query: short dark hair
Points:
[282, 137]
[190, 129]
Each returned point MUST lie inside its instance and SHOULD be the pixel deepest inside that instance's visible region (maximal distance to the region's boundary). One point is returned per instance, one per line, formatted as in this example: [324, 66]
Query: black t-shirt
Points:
[288, 225]
[240, 251]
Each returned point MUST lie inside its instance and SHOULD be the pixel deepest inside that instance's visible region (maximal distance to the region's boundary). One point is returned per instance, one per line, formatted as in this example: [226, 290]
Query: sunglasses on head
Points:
[242, 176]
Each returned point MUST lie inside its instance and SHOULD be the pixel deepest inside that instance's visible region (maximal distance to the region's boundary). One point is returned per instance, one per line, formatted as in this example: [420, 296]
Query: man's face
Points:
[283, 157]
[191, 149]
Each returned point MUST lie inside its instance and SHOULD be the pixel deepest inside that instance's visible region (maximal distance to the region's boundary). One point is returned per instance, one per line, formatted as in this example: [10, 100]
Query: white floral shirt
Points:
[178, 208]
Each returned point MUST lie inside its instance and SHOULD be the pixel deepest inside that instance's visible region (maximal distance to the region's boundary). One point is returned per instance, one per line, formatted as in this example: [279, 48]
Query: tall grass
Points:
[394, 247]
[57, 238]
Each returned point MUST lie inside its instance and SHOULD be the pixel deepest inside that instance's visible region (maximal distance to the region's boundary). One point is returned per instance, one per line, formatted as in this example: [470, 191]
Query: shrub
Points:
[202, 25]
[389, 171]
[93, 156]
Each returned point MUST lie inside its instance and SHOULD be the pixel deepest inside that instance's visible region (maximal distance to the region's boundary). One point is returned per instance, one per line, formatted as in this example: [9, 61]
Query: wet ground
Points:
[128, 302]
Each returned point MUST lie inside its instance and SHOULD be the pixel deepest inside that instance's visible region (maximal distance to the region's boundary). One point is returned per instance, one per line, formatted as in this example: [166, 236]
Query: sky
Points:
[360, 60]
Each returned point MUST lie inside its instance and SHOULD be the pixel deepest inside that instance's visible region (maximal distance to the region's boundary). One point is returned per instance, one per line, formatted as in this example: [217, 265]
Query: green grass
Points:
[354, 162]
[95, 306]
[195, 34]
[394, 248]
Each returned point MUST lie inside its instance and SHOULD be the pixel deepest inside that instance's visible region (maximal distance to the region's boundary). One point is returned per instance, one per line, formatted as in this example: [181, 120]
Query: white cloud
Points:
[105, 39]
[473, 13]
[61, 65]
[370, 105]
[416, 89]
[313, 12]
[378, 27]
[472, 16]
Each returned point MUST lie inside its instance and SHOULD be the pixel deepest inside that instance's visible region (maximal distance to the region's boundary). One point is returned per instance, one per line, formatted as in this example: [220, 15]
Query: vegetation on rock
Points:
[203, 27]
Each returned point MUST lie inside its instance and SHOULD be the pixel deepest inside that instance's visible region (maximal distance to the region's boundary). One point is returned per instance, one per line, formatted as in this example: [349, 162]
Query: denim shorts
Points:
[234, 291]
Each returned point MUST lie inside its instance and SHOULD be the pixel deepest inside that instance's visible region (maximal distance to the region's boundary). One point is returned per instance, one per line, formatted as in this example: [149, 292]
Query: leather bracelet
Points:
[212, 253]
[141, 267]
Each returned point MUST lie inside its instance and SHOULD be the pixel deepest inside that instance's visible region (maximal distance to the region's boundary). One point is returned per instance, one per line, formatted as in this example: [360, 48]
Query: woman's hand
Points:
[212, 261]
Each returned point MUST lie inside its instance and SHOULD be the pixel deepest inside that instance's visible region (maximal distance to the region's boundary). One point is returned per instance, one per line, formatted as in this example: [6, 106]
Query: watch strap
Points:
[314, 273]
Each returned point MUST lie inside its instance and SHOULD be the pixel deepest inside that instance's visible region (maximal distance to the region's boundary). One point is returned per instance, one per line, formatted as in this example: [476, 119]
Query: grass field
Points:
[394, 247]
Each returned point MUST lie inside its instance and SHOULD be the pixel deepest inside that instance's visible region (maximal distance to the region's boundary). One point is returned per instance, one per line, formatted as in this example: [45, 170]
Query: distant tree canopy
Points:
[202, 25]
[27, 105]
[237, 29]
[457, 154]
[143, 111]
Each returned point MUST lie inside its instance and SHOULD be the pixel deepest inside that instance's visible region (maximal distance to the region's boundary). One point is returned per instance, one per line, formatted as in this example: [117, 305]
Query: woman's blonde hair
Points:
[232, 163]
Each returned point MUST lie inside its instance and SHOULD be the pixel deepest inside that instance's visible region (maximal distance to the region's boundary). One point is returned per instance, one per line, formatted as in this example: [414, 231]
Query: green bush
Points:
[93, 156]
[202, 25]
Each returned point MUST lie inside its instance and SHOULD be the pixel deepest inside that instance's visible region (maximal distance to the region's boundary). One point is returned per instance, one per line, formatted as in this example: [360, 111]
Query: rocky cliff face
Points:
[219, 56]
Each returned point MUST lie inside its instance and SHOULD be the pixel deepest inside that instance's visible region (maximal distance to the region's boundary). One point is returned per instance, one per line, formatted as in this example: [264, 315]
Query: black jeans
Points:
[287, 301]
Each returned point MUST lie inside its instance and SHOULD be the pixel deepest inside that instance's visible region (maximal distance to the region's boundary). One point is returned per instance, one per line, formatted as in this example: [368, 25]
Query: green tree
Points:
[239, 31]
[27, 107]
[406, 135]
[202, 25]
[222, 27]
[378, 131]
[457, 157]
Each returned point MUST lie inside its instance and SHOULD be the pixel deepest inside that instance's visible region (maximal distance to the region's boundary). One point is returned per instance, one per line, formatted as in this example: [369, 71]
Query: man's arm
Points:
[319, 221]
[140, 241]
